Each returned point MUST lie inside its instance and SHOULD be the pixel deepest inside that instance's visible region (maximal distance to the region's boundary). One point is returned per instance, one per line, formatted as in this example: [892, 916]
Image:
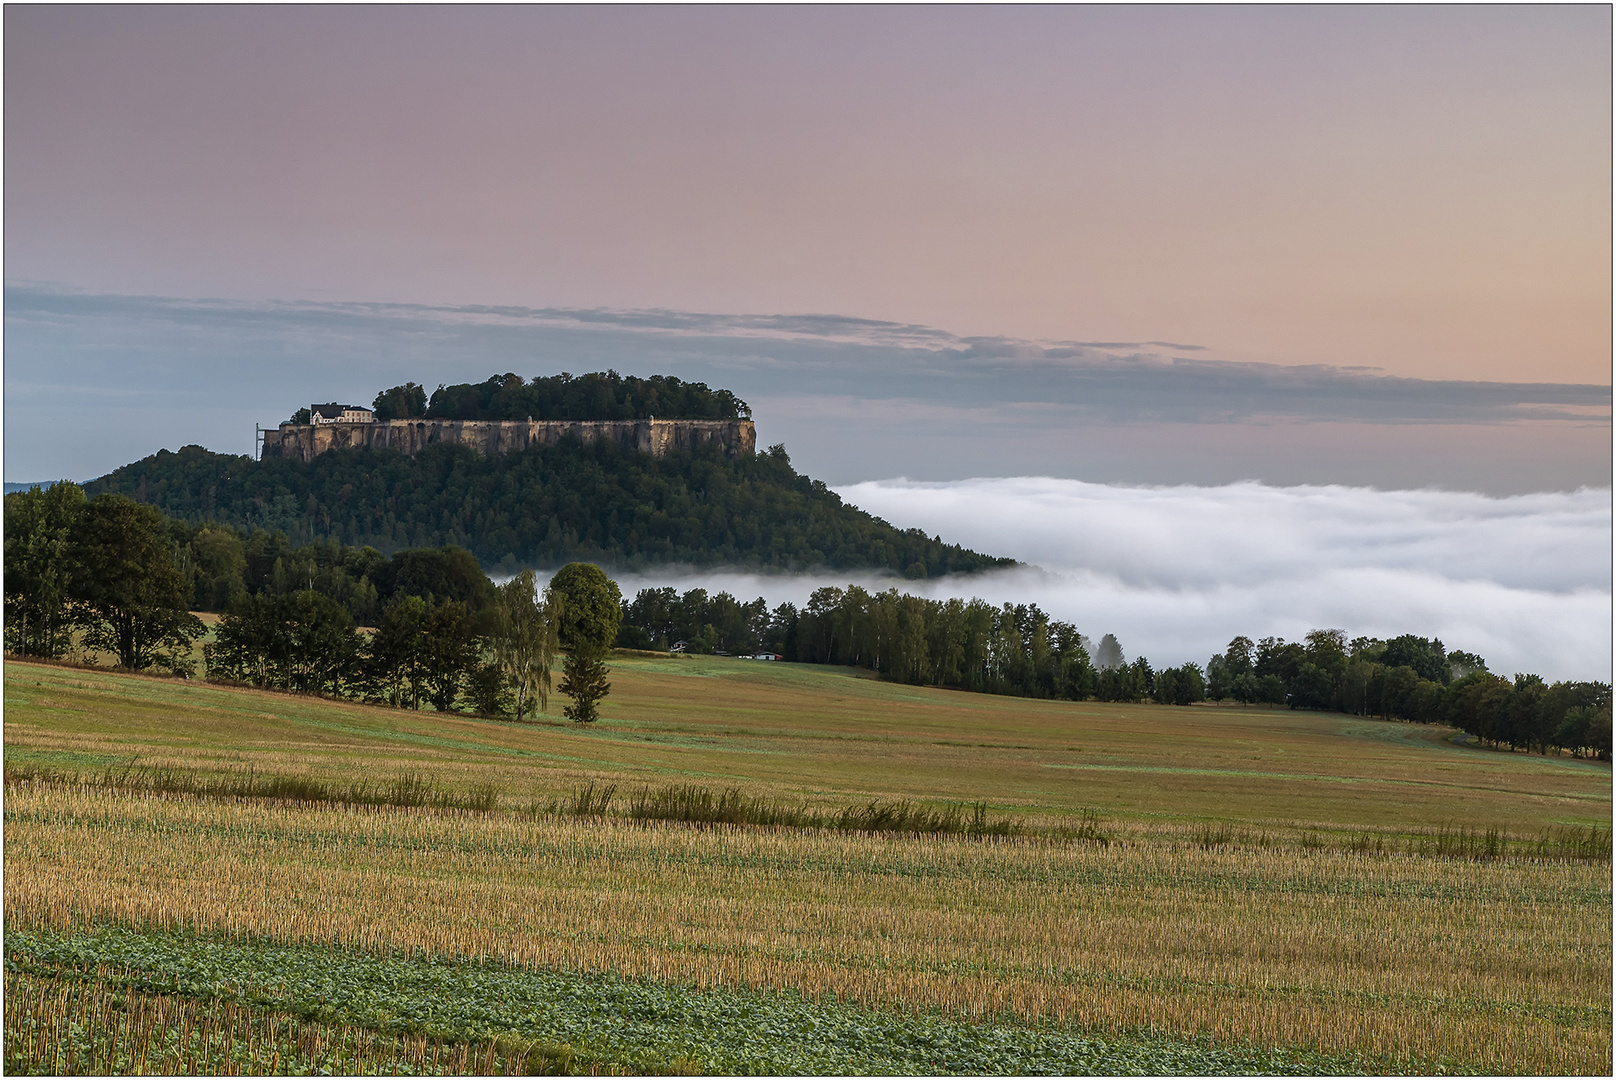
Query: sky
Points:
[1364, 247]
[1131, 201]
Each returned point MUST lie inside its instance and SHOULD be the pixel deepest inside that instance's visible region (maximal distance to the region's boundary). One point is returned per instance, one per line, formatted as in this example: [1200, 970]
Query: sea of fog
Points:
[1175, 572]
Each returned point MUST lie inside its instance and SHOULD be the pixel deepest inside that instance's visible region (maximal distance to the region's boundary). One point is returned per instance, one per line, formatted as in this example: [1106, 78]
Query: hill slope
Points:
[545, 506]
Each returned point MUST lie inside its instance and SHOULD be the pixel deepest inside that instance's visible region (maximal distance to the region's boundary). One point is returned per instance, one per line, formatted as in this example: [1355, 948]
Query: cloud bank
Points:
[848, 396]
[1176, 572]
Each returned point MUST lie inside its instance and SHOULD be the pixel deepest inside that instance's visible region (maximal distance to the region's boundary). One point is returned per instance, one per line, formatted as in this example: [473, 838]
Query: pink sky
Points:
[1425, 190]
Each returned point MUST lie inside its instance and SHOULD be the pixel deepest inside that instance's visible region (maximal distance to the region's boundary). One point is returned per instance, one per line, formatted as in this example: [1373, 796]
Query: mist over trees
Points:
[109, 574]
[1020, 650]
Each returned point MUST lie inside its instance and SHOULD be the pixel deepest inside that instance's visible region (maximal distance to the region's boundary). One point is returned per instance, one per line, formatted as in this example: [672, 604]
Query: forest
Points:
[110, 575]
[544, 507]
[1019, 650]
[602, 395]
[124, 579]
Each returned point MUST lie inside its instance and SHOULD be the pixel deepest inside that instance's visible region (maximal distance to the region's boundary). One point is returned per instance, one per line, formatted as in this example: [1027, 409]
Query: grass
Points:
[1319, 889]
[405, 789]
[831, 738]
[694, 805]
[95, 1027]
[1502, 966]
[275, 1008]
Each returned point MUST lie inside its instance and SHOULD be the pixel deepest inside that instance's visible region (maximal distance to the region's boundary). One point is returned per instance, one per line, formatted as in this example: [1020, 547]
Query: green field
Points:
[1190, 890]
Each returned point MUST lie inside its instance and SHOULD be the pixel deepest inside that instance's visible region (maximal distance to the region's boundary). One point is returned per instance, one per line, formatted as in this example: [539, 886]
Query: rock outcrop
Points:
[489, 437]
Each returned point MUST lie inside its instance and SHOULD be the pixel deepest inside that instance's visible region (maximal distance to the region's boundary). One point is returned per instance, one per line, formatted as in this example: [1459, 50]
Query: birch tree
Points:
[524, 638]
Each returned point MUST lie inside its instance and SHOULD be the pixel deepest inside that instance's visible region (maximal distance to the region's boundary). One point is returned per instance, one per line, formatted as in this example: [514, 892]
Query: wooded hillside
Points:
[545, 506]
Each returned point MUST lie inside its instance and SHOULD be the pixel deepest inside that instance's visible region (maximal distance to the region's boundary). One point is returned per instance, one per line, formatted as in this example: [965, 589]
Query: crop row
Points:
[1502, 965]
[321, 1006]
[86, 1026]
[692, 804]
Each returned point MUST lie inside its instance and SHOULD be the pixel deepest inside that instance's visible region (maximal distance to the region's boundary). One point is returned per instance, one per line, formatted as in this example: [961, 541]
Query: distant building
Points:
[768, 656]
[340, 414]
[678, 646]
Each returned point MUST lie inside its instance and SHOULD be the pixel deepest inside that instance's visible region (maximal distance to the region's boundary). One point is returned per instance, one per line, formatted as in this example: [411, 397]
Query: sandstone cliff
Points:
[489, 437]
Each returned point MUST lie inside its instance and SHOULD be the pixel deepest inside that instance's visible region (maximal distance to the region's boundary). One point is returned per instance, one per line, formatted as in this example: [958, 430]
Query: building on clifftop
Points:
[340, 414]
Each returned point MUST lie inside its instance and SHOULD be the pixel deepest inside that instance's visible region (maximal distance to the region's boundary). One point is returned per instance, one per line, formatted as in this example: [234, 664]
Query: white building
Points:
[340, 414]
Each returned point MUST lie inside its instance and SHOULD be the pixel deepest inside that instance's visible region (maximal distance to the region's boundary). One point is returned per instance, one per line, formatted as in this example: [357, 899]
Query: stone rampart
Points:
[489, 437]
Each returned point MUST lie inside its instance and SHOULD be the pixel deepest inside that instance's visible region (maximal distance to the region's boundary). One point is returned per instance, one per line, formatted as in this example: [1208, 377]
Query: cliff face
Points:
[489, 437]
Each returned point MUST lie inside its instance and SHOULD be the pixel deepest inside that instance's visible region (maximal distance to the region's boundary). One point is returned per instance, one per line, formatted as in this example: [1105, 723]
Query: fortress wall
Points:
[492, 437]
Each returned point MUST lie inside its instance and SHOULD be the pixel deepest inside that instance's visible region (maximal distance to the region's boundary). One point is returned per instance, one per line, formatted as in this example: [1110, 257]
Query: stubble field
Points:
[1191, 890]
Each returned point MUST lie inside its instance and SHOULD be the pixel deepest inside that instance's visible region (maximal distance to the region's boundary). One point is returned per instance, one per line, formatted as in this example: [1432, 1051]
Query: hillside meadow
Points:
[1187, 889]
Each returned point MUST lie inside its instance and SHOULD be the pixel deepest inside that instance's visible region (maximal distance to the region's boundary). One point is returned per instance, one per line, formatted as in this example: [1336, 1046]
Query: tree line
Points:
[420, 627]
[427, 627]
[601, 395]
[1018, 649]
[545, 506]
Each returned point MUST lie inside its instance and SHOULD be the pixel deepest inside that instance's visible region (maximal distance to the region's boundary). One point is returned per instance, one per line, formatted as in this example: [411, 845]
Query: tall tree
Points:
[592, 606]
[524, 639]
[400, 402]
[299, 641]
[132, 597]
[450, 652]
[590, 612]
[39, 567]
[584, 680]
[398, 652]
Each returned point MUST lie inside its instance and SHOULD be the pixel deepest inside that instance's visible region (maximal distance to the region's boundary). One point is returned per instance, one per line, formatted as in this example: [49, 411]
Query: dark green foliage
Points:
[449, 653]
[607, 1023]
[131, 599]
[445, 573]
[405, 789]
[422, 651]
[583, 678]
[301, 641]
[489, 689]
[399, 653]
[1427, 658]
[1415, 678]
[590, 610]
[971, 645]
[542, 507]
[1180, 686]
[40, 568]
[400, 402]
[718, 623]
[699, 806]
[590, 604]
[602, 395]
[1129, 682]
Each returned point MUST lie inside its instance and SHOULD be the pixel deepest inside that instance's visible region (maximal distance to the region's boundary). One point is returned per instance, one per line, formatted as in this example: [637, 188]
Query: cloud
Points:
[874, 358]
[1176, 572]
[1063, 405]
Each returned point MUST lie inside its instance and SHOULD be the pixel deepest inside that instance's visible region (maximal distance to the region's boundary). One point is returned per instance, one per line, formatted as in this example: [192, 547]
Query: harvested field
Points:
[1452, 914]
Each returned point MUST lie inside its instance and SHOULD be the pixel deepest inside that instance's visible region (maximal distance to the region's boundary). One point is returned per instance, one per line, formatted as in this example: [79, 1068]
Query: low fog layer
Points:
[1176, 572]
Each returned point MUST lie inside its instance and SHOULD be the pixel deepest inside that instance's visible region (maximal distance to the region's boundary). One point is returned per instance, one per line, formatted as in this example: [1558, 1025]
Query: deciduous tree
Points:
[39, 526]
[132, 598]
[524, 639]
